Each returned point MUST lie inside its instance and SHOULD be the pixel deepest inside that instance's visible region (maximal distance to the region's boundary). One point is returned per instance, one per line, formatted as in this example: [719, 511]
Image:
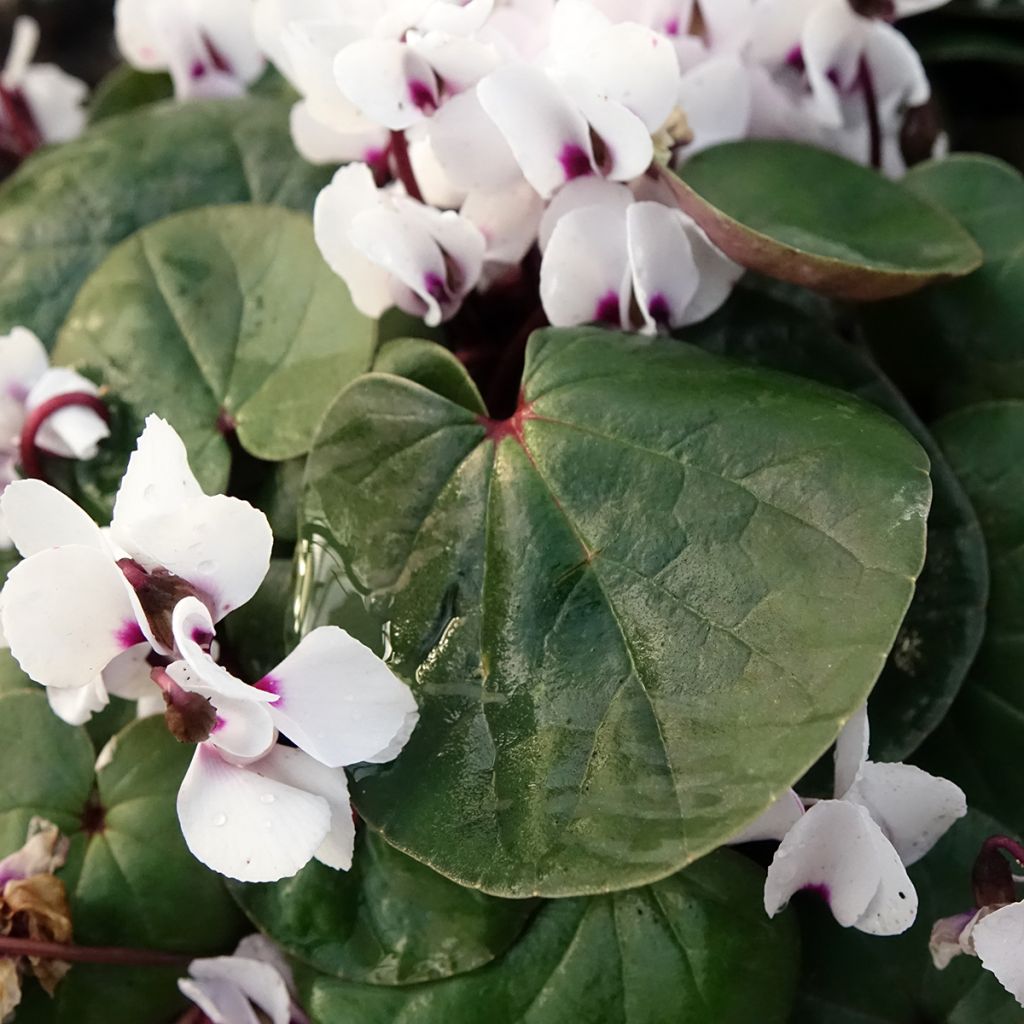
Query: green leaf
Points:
[124, 89]
[853, 978]
[11, 676]
[433, 367]
[808, 216]
[632, 616]
[236, 306]
[978, 744]
[940, 635]
[388, 921]
[963, 342]
[255, 636]
[696, 947]
[67, 207]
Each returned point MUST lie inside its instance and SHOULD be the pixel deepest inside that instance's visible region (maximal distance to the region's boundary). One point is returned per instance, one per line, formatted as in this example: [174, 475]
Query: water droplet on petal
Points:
[220, 820]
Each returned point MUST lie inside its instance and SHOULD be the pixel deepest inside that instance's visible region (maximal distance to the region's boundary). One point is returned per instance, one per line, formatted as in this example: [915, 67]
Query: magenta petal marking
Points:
[672, 27]
[218, 724]
[422, 96]
[268, 684]
[820, 889]
[608, 310]
[203, 637]
[575, 161]
[659, 310]
[198, 70]
[435, 287]
[130, 634]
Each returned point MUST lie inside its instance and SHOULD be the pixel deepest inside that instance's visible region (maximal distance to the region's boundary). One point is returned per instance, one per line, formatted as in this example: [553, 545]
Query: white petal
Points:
[258, 981]
[947, 938]
[461, 19]
[350, 193]
[837, 850]
[715, 97]
[387, 81]
[580, 193]
[717, 273]
[246, 826]
[585, 275]
[468, 145]
[547, 134]
[628, 146]
[23, 361]
[851, 751]
[294, 768]
[508, 219]
[258, 947]
[39, 517]
[998, 941]
[665, 277]
[57, 100]
[66, 615]
[128, 676]
[320, 143]
[76, 706]
[228, 25]
[220, 1001]
[338, 701]
[913, 808]
[74, 432]
[162, 519]
[458, 63]
[897, 73]
[135, 37]
[906, 8]
[435, 186]
[832, 44]
[775, 822]
[24, 43]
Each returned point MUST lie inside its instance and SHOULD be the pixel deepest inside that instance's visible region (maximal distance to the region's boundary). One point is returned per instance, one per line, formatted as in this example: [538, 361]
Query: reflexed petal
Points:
[22, 49]
[460, 19]
[775, 27]
[665, 277]
[77, 705]
[23, 361]
[135, 37]
[548, 136]
[259, 982]
[319, 143]
[458, 63]
[775, 822]
[715, 97]
[39, 517]
[832, 44]
[221, 1001]
[436, 187]
[247, 826]
[727, 22]
[73, 432]
[227, 24]
[243, 732]
[851, 751]
[258, 947]
[837, 850]
[294, 768]
[57, 100]
[913, 808]
[576, 195]
[338, 701]
[899, 77]
[66, 615]
[469, 146]
[948, 938]
[628, 146]
[998, 941]
[350, 193]
[128, 676]
[718, 274]
[387, 81]
[508, 219]
[585, 275]
[906, 8]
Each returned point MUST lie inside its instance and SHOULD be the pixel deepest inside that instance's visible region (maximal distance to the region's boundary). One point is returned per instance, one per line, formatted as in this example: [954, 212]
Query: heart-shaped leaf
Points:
[236, 307]
[388, 921]
[633, 613]
[940, 635]
[70, 205]
[813, 218]
[696, 947]
[124, 89]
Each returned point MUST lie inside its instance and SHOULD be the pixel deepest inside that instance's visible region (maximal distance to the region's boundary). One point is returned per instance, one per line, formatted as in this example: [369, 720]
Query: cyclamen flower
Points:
[39, 103]
[208, 47]
[394, 251]
[236, 989]
[606, 254]
[86, 608]
[27, 382]
[854, 849]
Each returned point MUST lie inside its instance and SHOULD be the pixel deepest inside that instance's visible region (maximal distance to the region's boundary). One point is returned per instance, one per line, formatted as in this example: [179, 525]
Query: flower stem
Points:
[10, 947]
[403, 165]
[991, 877]
[31, 465]
[867, 80]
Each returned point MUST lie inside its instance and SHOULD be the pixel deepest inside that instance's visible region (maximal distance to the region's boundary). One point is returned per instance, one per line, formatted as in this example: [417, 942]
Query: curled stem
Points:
[31, 465]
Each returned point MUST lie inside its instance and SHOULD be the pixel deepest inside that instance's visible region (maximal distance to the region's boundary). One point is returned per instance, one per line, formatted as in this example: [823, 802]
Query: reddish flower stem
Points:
[31, 465]
[867, 81]
[403, 165]
[10, 947]
[1007, 845]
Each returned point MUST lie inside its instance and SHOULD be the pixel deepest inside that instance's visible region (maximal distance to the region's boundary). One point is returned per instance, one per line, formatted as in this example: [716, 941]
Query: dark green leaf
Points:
[631, 621]
[11, 676]
[124, 89]
[696, 947]
[433, 367]
[236, 306]
[811, 217]
[69, 206]
[388, 921]
[943, 628]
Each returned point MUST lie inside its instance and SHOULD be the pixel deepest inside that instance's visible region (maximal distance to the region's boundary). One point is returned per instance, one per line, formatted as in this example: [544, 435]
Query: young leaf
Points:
[813, 218]
[633, 613]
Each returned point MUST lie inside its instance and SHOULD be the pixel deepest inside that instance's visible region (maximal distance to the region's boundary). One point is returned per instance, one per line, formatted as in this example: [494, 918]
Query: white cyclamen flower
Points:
[394, 251]
[41, 103]
[853, 850]
[209, 48]
[606, 254]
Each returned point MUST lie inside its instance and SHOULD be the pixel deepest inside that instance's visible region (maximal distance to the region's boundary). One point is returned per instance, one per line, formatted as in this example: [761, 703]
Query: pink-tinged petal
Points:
[162, 519]
[949, 938]
[23, 361]
[851, 753]
[468, 145]
[627, 146]
[245, 825]
[294, 768]
[578, 194]
[774, 823]
[351, 193]
[136, 39]
[228, 26]
[831, 46]
[39, 517]
[718, 274]
[128, 677]
[73, 432]
[913, 808]
[838, 851]
[508, 219]
[388, 82]
[585, 275]
[257, 981]
[998, 941]
[76, 706]
[221, 1001]
[547, 134]
[715, 97]
[338, 701]
[65, 615]
[665, 276]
